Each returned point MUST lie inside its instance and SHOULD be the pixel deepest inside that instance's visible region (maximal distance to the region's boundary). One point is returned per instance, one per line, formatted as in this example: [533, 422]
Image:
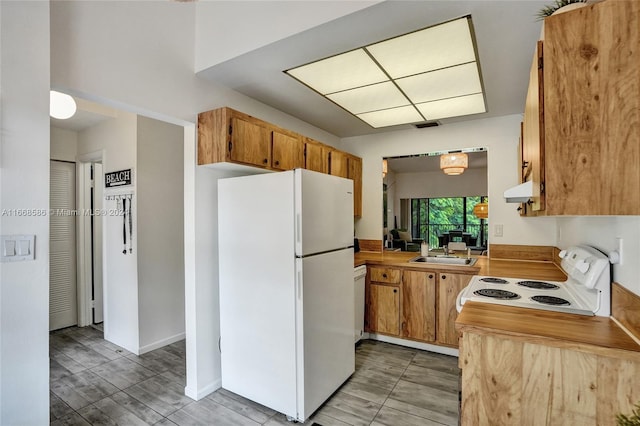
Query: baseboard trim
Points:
[197, 395]
[415, 345]
[161, 343]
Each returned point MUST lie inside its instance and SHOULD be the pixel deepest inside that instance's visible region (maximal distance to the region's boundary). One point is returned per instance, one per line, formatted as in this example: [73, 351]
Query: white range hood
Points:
[519, 194]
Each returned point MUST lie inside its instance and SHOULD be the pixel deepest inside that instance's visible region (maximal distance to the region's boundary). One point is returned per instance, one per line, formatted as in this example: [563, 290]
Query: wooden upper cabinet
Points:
[533, 135]
[250, 143]
[591, 104]
[355, 174]
[315, 156]
[287, 151]
[229, 136]
[338, 163]
[419, 305]
[448, 288]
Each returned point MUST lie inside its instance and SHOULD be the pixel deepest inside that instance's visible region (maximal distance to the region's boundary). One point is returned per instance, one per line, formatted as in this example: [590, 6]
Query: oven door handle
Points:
[459, 300]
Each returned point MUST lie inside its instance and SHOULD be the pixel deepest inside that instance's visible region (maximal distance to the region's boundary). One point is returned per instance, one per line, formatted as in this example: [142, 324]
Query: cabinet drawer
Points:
[385, 275]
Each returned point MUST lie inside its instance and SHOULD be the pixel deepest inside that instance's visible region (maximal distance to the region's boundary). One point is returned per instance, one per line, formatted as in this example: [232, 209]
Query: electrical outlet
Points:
[497, 231]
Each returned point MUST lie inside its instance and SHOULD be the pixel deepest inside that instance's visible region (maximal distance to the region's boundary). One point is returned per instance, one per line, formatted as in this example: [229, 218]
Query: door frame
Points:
[84, 237]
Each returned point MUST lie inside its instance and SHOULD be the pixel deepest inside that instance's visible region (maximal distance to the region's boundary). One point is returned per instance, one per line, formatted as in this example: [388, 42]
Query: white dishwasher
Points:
[359, 274]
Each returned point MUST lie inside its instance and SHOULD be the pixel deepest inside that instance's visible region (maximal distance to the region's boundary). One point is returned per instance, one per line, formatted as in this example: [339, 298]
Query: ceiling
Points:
[506, 33]
[88, 114]
[431, 163]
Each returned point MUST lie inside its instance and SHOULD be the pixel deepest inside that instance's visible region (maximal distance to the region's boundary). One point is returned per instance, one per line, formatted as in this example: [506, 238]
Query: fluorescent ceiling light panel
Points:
[430, 49]
[442, 84]
[454, 107]
[370, 98]
[391, 117]
[425, 75]
[341, 72]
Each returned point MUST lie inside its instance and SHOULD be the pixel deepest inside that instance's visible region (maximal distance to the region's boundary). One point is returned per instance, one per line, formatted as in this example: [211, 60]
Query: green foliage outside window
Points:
[433, 216]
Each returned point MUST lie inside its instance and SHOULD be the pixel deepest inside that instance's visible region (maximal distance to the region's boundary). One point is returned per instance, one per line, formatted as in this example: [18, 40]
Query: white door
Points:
[63, 308]
[98, 300]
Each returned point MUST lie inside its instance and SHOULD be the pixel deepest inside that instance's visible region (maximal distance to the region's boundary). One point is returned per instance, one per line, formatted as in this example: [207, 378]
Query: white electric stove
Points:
[587, 291]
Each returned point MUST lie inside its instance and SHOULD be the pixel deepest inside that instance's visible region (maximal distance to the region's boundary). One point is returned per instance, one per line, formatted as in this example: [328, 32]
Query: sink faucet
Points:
[446, 249]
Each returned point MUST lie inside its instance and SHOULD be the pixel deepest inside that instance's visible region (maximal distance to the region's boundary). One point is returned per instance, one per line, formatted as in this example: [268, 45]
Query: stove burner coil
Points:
[496, 293]
[550, 300]
[494, 280]
[539, 285]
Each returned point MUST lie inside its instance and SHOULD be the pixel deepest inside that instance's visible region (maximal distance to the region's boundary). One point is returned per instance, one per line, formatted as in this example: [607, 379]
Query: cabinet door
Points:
[385, 275]
[533, 134]
[384, 309]
[250, 143]
[355, 174]
[315, 157]
[419, 305]
[448, 288]
[338, 164]
[287, 152]
[592, 99]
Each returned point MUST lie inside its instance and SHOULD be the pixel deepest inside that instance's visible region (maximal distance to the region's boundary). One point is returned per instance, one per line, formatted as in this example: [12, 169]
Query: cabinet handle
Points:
[277, 163]
[444, 277]
[384, 275]
[395, 290]
[430, 275]
[230, 146]
[265, 161]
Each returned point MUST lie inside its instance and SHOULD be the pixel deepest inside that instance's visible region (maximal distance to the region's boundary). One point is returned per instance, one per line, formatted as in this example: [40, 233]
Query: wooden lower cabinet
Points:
[514, 381]
[418, 305]
[449, 285]
[384, 308]
[413, 304]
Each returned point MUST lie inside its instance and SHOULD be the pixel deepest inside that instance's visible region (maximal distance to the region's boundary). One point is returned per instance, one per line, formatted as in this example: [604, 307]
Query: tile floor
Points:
[96, 382]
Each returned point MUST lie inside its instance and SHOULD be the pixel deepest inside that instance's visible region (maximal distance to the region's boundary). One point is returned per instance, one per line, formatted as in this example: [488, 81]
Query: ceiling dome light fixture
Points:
[481, 210]
[454, 163]
[61, 105]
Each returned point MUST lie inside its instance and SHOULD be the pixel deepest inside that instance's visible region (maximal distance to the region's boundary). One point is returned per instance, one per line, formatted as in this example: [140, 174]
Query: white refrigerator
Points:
[286, 288]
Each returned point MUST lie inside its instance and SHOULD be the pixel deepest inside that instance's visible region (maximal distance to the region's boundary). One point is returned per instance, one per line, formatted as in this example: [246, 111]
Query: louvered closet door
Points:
[63, 307]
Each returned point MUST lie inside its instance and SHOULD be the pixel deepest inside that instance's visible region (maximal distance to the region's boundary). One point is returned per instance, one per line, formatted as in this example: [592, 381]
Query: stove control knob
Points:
[582, 266]
[562, 254]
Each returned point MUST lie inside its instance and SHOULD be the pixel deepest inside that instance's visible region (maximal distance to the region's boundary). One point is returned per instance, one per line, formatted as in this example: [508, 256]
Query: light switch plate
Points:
[17, 248]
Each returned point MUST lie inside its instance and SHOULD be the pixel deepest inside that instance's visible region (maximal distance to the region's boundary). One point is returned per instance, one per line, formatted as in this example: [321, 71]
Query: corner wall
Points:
[24, 184]
[160, 188]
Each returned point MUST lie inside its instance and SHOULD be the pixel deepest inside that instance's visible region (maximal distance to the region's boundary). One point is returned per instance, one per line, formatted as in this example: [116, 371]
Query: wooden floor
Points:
[96, 382]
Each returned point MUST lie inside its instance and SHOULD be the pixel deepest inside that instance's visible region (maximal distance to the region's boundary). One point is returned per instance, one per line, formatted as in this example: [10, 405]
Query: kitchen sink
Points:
[445, 260]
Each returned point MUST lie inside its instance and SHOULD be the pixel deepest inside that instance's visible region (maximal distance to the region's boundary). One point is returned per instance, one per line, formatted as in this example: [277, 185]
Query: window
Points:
[431, 218]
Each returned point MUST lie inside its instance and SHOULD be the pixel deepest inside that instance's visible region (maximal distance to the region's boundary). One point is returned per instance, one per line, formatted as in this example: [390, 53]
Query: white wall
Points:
[500, 137]
[472, 182]
[602, 232]
[139, 56]
[226, 29]
[116, 138]
[24, 184]
[64, 144]
[160, 188]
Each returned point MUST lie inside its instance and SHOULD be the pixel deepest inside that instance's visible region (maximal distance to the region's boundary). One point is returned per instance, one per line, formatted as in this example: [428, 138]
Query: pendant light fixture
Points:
[481, 210]
[454, 163]
[61, 105]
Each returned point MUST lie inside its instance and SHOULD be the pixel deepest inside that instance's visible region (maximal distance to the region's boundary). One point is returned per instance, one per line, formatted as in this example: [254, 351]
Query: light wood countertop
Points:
[592, 334]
